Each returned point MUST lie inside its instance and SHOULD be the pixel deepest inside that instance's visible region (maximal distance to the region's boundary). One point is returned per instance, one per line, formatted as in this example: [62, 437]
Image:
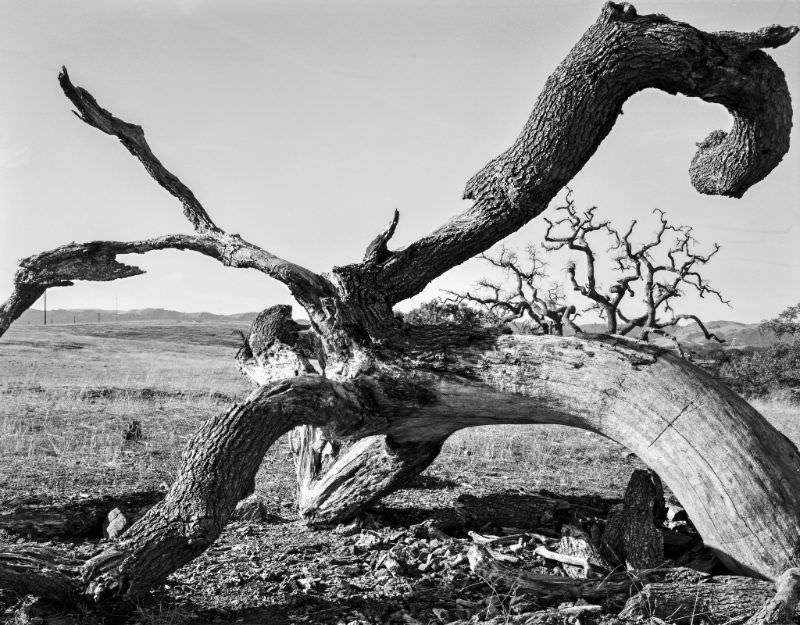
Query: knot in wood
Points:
[618, 12]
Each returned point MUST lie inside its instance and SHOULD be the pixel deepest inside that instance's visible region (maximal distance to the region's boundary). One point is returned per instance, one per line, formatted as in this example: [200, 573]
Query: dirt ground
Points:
[68, 394]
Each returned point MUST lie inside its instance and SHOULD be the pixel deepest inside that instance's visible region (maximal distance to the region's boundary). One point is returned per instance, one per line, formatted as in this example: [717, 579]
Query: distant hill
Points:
[94, 315]
[736, 335]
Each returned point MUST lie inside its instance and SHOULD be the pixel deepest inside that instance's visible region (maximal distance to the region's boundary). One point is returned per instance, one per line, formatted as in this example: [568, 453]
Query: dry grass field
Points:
[68, 394]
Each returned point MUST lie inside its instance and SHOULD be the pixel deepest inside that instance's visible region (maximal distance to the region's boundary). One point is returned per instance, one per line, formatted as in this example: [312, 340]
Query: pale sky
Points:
[303, 125]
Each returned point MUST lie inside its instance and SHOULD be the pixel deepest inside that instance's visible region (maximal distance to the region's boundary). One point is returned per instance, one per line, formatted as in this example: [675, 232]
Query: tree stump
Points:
[632, 536]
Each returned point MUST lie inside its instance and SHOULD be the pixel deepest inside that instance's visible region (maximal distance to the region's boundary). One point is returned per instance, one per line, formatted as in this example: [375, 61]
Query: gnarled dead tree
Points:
[659, 282]
[540, 305]
[417, 384]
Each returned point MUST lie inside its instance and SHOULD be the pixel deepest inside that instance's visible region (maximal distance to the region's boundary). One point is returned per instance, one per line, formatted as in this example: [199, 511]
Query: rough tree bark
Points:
[334, 483]
[416, 384]
[632, 536]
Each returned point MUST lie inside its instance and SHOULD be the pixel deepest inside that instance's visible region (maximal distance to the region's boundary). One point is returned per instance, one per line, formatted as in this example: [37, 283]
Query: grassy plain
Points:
[68, 394]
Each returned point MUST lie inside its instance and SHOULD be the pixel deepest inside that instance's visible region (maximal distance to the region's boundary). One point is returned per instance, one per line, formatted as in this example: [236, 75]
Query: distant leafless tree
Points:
[658, 282]
[528, 299]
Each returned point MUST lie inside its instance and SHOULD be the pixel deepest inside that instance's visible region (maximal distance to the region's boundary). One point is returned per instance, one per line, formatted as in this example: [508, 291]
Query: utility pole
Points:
[45, 307]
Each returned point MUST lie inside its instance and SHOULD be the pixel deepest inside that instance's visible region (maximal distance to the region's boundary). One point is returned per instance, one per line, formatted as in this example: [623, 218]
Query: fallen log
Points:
[77, 518]
[722, 599]
[525, 511]
[52, 573]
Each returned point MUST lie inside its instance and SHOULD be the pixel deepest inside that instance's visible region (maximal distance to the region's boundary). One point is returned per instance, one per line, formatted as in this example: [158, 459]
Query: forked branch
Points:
[96, 261]
[528, 298]
[658, 282]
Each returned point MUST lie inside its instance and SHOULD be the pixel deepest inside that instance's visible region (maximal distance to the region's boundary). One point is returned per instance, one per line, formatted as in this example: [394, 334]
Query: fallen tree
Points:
[411, 386]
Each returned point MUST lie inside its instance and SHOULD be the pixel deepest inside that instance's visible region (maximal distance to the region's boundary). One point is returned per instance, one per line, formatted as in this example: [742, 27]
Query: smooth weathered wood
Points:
[368, 471]
[738, 491]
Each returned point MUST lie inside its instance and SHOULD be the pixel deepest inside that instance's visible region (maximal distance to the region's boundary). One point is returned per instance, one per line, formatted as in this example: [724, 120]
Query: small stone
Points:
[676, 513]
[115, 523]
[367, 540]
[251, 508]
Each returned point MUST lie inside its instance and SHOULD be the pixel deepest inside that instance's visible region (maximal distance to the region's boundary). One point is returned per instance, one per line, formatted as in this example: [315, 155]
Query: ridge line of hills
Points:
[736, 334]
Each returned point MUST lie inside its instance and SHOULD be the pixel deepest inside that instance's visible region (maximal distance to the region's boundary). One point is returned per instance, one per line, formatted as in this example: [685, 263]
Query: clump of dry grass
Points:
[548, 456]
[68, 394]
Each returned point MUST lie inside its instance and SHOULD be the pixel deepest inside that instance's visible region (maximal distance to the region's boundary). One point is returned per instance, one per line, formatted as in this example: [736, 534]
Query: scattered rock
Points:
[115, 523]
[255, 510]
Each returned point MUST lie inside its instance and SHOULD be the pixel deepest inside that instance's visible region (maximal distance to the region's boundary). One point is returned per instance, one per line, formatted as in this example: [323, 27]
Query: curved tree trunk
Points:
[732, 471]
[217, 471]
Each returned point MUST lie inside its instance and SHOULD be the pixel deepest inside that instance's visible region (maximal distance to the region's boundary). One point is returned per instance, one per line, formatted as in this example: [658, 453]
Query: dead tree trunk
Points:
[632, 536]
[415, 385]
[332, 486]
[76, 519]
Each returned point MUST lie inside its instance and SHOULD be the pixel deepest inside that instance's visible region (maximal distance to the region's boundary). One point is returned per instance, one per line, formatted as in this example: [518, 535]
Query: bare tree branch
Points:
[546, 310]
[622, 53]
[96, 261]
[377, 251]
[578, 227]
[132, 137]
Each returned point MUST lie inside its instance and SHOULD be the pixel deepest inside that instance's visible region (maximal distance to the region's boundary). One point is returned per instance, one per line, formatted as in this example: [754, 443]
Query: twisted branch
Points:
[621, 54]
[96, 261]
